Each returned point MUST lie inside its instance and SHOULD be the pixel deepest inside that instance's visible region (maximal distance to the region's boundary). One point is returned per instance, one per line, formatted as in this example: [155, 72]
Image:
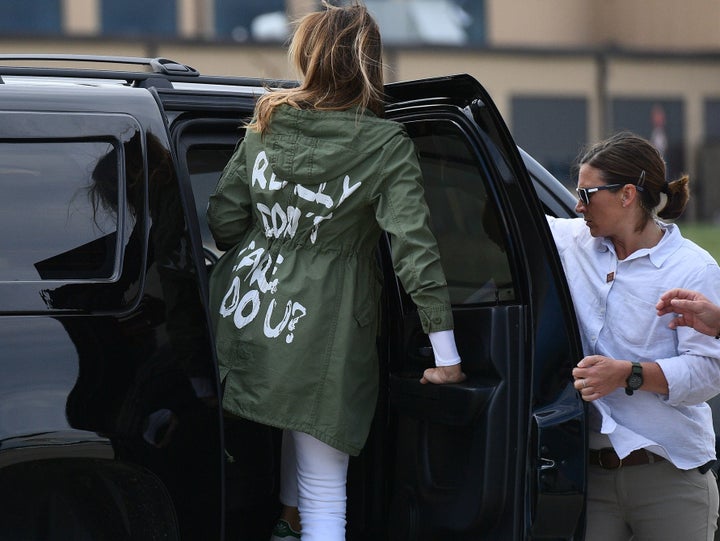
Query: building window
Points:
[703, 185]
[30, 17]
[441, 22]
[712, 120]
[251, 20]
[402, 22]
[552, 130]
[659, 121]
[139, 17]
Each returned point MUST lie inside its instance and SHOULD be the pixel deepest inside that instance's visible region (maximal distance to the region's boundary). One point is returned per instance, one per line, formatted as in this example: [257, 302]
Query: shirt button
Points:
[437, 320]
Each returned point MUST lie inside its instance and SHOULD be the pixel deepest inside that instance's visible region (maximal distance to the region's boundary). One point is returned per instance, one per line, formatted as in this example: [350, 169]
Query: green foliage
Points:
[706, 235]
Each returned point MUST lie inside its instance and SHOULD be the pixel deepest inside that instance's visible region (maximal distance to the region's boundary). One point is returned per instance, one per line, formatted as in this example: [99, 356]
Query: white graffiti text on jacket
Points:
[279, 221]
[256, 268]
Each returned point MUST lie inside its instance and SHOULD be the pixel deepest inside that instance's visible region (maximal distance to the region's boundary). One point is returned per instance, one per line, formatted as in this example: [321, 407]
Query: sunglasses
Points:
[585, 193]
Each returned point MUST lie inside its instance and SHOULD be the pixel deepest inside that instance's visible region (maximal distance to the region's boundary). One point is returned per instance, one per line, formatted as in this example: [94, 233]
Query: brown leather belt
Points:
[608, 459]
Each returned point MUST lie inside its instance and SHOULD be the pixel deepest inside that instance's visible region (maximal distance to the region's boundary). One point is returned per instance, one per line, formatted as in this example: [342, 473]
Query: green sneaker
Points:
[283, 532]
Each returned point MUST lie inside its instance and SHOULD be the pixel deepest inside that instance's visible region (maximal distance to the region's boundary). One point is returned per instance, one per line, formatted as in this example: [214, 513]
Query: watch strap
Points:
[635, 374]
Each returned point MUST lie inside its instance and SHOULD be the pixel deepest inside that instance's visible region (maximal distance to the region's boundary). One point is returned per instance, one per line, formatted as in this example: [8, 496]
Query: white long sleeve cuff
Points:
[444, 348]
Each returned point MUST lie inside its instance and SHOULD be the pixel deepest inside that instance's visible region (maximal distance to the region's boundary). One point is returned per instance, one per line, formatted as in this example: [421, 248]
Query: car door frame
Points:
[547, 469]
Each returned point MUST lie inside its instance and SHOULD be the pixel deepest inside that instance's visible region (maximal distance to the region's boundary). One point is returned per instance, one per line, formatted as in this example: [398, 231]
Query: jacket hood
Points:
[311, 147]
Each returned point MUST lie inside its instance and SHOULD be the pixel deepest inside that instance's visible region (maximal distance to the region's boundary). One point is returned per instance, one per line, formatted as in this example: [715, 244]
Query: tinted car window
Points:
[205, 164]
[462, 215]
[69, 233]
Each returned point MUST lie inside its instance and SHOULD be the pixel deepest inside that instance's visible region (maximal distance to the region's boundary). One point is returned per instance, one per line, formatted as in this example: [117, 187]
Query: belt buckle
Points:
[608, 450]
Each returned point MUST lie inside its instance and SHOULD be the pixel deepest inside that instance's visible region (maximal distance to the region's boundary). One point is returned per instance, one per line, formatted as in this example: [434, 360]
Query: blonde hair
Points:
[338, 51]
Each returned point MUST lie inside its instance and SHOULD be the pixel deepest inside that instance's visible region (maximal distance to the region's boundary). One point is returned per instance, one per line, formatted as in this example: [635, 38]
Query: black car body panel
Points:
[104, 324]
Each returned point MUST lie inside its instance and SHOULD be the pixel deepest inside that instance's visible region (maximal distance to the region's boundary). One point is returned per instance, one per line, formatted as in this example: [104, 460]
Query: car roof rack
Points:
[159, 68]
[160, 72]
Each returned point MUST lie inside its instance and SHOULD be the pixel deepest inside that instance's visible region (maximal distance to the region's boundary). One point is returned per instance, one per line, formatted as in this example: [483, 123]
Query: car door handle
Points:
[458, 404]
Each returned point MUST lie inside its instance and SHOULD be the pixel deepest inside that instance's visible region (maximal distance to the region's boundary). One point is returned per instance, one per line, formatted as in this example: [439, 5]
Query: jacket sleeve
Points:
[229, 210]
[401, 210]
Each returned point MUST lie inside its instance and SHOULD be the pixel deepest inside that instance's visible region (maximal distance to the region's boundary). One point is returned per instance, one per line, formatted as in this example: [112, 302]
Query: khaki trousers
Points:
[651, 502]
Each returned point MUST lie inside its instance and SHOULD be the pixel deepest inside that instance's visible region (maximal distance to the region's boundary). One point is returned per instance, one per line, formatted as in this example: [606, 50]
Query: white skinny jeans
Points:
[313, 478]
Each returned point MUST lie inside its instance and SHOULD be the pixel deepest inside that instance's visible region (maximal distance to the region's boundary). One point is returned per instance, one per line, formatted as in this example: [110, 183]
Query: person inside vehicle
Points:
[651, 433]
[693, 309]
[300, 208]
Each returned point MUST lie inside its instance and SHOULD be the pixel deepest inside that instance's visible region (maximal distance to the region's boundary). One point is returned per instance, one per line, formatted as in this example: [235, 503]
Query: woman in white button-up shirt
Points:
[651, 435]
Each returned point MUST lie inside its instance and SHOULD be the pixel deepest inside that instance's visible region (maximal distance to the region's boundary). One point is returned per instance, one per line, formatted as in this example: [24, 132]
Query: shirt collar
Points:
[658, 254]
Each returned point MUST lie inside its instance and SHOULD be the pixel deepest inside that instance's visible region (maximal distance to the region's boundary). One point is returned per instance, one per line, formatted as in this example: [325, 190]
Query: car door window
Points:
[462, 215]
[205, 163]
[73, 210]
[73, 236]
[204, 148]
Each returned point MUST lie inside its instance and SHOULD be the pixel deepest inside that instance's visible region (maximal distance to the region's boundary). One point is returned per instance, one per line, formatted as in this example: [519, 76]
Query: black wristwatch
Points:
[635, 380]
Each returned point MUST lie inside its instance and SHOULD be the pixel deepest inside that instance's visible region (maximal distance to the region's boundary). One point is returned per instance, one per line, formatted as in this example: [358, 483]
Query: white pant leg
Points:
[288, 471]
[322, 498]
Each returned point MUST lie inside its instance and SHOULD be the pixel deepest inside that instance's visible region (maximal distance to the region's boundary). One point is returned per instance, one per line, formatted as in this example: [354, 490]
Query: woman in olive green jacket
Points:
[299, 209]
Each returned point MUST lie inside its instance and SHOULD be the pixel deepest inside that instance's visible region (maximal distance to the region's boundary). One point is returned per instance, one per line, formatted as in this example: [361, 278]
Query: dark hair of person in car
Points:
[627, 158]
[338, 51]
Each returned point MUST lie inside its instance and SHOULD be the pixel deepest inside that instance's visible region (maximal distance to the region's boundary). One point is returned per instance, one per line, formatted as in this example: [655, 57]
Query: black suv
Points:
[107, 429]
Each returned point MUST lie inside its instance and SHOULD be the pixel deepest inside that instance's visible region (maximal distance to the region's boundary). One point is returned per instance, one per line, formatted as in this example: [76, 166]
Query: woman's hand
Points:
[597, 376]
[444, 374]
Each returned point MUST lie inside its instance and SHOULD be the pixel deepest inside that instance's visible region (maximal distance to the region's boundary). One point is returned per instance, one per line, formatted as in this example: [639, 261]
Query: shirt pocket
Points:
[634, 322]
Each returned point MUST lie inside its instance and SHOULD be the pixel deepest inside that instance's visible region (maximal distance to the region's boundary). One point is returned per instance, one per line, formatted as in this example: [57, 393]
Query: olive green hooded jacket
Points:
[296, 296]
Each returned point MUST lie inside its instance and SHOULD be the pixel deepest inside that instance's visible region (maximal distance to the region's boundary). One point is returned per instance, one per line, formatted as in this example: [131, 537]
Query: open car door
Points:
[502, 455]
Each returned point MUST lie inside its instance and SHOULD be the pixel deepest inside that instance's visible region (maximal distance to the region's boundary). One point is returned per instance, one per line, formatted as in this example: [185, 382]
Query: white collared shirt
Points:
[615, 307]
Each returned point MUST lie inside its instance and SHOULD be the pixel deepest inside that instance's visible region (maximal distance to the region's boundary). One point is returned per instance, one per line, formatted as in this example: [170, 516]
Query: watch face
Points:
[634, 381]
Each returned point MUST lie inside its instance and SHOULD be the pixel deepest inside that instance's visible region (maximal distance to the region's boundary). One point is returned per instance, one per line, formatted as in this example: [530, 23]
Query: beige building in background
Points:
[597, 55]
[675, 25]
